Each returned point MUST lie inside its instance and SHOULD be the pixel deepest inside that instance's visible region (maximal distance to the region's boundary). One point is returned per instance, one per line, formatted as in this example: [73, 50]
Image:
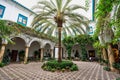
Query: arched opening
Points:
[16, 51]
[116, 52]
[90, 51]
[34, 51]
[47, 51]
[76, 52]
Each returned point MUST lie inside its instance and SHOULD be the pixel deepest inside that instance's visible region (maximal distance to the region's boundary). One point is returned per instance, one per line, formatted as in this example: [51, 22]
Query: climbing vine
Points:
[82, 40]
[68, 43]
[104, 28]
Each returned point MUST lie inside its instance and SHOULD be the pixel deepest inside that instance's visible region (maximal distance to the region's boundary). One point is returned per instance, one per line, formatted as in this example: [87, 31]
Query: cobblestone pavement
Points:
[33, 71]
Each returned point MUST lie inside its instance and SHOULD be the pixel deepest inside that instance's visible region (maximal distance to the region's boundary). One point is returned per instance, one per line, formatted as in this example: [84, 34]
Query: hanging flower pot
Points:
[108, 35]
[101, 39]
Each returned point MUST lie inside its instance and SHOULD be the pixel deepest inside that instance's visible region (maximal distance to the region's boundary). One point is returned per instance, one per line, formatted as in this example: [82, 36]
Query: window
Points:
[91, 30]
[22, 20]
[2, 9]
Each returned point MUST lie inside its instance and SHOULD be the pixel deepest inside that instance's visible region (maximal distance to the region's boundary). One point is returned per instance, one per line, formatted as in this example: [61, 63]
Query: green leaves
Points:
[103, 8]
[5, 30]
[54, 12]
[81, 40]
[104, 25]
[62, 66]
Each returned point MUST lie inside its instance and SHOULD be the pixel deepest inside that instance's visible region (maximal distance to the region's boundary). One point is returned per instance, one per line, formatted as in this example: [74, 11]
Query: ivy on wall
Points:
[82, 40]
[68, 43]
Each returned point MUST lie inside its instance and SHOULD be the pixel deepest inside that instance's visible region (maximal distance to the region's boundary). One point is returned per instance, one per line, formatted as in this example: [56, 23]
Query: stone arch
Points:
[34, 51]
[44, 42]
[47, 50]
[64, 52]
[17, 49]
[116, 53]
[52, 45]
[34, 40]
[90, 51]
[76, 51]
[20, 36]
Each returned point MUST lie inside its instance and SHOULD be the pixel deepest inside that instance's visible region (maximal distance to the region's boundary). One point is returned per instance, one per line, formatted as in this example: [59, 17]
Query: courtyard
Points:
[83, 35]
[33, 71]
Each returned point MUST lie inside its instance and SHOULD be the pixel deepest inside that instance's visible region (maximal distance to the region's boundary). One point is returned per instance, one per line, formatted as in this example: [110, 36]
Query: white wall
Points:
[56, 52]
[12, 11]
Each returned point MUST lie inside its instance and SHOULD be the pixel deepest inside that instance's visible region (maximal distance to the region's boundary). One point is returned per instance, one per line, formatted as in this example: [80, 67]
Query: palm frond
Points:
[51, 12]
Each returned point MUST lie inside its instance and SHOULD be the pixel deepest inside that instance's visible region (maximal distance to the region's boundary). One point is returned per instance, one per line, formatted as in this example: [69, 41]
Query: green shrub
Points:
[63, 70]
[118, 78]
[44, 68]
[53, 70]
[55, 64]
[106, 62]
[21, 55]
[74, 68]
[67, 67]
[49, 68]
[106, 68]
[58, 68]
[62, 66]
[116, 65]
[2, 64]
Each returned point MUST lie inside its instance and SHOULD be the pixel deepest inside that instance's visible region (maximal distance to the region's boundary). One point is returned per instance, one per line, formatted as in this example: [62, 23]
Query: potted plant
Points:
[117, 66]
[21, 55]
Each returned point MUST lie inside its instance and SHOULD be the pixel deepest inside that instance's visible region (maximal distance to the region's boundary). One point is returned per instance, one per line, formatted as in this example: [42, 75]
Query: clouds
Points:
[30, 3]
[27, 3]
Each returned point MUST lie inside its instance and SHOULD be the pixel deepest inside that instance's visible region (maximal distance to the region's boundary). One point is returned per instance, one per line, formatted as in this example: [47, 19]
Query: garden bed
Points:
[63, 66]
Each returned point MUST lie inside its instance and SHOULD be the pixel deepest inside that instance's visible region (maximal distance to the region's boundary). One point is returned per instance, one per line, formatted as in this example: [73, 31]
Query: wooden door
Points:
[14, 55]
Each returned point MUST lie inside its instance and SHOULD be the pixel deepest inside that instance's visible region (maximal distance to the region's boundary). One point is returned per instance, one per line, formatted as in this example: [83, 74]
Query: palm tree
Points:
[53, 15]
[5, 30]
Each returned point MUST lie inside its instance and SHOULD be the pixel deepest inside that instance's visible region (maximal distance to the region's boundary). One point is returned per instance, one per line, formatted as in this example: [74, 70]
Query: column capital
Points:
[41, 48]
[27, 46]
[4, 44]
[4, 41]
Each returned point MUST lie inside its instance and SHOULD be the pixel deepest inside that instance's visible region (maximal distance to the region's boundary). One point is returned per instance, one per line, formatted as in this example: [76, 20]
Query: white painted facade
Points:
[12, 10]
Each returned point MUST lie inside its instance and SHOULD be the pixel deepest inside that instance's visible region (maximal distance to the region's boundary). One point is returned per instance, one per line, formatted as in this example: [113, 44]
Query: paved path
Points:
[33, 71]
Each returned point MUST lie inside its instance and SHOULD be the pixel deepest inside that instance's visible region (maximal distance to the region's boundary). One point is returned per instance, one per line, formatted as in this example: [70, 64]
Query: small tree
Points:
[59, 15]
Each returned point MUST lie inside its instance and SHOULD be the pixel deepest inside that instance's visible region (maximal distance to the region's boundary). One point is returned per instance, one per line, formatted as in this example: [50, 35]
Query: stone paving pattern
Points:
[33, 71]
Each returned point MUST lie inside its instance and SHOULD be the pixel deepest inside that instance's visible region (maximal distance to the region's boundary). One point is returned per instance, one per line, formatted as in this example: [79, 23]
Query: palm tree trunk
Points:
[2, 51]
[105, 56]
[111, 57]
[59, 44]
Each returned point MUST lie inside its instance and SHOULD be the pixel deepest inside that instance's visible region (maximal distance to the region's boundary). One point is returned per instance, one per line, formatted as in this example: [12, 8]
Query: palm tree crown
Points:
[59, 13]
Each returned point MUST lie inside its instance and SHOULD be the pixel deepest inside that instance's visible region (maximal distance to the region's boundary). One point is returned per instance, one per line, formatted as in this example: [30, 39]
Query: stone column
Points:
[65, 54]
[51, 52]
[2, 51]
[105, 56]
[41, 57]
[111, 57]
[26, 54]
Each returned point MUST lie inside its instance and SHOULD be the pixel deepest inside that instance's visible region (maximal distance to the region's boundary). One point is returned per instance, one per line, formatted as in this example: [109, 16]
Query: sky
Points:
[30, 3]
